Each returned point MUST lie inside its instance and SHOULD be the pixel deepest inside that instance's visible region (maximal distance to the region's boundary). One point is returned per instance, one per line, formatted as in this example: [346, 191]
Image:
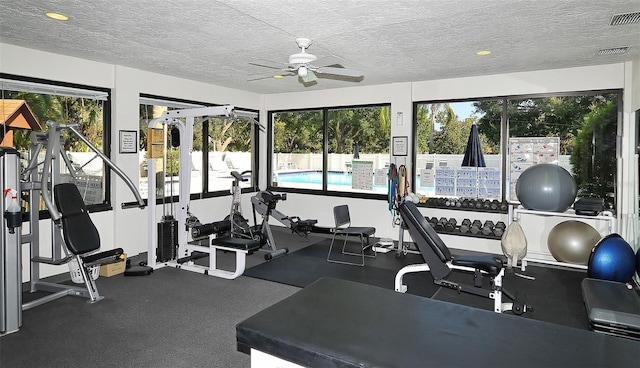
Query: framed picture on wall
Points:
[400, 146]
[128, 141]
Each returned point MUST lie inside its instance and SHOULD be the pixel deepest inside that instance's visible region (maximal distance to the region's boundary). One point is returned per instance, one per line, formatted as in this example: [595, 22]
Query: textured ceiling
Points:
[391, 41]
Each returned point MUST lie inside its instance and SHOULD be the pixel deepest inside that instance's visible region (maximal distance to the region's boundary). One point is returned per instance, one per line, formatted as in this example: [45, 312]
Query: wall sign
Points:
[400, 146]
[128, 141]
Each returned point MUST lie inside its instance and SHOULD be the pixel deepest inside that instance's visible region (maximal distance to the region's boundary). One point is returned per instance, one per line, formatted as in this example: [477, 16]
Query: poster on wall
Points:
[467, 182]
[445, 181]
[362, 175]
[526, 152]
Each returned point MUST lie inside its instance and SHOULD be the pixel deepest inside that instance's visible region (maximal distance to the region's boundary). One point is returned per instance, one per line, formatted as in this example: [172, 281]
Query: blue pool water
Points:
[315, 177]
[334, 178]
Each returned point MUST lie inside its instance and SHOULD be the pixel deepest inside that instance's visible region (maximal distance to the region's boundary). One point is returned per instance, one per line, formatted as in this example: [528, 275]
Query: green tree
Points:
[593, 155]
[297, 131]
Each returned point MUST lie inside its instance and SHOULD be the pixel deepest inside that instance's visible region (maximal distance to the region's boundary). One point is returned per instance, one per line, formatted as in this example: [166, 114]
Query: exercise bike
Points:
[264, 204]
[239, 226]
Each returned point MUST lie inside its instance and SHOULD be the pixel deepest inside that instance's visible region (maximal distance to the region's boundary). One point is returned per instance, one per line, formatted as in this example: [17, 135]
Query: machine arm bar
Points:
[109, 163]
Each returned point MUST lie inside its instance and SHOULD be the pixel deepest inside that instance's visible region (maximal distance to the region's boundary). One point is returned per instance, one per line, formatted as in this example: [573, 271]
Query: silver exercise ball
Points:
[572, 241]
[546, 187]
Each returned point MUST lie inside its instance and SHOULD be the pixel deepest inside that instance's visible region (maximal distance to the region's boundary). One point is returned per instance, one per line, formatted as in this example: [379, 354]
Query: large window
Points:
[577, 131]
[220, 145]
[442, 134]
[33, 106]
[355, 148]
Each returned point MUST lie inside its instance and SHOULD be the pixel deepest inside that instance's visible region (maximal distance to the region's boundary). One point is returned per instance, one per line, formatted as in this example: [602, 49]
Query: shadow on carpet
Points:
[555, 294]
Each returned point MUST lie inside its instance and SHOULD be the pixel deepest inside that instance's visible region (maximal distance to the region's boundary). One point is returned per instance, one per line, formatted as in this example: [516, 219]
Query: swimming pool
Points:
[336, 180]
[315, 177]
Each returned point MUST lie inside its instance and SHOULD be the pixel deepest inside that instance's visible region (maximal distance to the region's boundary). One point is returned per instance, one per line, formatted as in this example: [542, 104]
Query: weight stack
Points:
[167, 239]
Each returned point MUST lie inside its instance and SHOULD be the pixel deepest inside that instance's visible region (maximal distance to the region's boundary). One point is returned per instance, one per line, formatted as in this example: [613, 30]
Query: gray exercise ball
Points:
[546, 187]
[572, 241]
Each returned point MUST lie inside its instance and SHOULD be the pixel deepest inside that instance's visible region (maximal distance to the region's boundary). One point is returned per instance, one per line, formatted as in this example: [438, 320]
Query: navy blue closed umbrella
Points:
[356, 151]
[473, 153]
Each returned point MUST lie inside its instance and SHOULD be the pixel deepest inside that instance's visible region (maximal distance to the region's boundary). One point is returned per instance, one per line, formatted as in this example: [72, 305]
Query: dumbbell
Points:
[465, 226]
[433, 221]
[495, 204]
[450, 225]
[498, 230]
[476, 225]
[504, 205]
[487, 228]
[440, 224]
[478, 204]
[486, 204]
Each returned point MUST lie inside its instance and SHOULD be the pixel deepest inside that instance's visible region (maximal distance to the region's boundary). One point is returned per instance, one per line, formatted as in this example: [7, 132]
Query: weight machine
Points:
[36, 180]
[169, 246]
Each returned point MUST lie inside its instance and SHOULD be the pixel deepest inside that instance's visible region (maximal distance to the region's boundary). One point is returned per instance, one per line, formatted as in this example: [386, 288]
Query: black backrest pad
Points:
[80, 234]
[341, 215]
[435, 252]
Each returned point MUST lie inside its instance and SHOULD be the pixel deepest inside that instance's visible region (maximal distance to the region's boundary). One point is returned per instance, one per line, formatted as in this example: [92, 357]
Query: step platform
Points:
[613, 308]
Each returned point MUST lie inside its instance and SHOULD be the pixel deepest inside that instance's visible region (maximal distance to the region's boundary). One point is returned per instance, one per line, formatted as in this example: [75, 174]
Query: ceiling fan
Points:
[306, 66]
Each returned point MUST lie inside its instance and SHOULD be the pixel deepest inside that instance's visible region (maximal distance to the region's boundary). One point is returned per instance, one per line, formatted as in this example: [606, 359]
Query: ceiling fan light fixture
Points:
[302, 71]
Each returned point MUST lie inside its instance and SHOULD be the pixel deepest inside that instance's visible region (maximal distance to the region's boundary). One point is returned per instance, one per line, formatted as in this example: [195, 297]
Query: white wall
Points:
[128, 228]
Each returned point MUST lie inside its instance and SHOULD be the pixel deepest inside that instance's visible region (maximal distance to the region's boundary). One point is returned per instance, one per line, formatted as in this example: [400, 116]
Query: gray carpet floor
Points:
[171, 318]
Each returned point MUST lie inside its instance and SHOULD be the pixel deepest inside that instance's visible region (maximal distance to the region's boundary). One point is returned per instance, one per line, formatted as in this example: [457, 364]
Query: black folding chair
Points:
[344, 228]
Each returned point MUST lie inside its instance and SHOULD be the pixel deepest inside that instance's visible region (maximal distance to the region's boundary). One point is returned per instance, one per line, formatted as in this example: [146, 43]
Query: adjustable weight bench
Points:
[240, 246]
[441, 263]
[80, 235]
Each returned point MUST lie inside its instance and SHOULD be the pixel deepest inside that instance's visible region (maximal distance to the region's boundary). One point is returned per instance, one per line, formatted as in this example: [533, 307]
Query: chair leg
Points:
[343, 251]
[363, 248]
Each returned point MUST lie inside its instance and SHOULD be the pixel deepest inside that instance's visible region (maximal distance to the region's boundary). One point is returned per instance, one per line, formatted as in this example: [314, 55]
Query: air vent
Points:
[613, 51]
[626, 18]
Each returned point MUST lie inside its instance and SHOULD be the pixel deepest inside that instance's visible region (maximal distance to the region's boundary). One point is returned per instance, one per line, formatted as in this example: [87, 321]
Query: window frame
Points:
[205, 192]
[505, 124]
[84, 92]
[325, 154]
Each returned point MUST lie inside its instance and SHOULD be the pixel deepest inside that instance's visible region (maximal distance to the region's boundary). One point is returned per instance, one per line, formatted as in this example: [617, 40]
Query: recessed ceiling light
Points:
[483, 52]
[278, 76]
[57, 16]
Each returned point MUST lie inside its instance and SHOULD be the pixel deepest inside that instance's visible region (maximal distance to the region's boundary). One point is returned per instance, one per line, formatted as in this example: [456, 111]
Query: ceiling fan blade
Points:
[340, 71]
[329, 61]
[274, 75]
[265, 66]
[260, 78]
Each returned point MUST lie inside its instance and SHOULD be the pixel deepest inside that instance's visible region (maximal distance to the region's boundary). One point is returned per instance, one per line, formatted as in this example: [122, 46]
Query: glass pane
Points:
[33, 110]
[585, 127]
[230, 149]
[443, 133]
[297, 149]
[358, 151]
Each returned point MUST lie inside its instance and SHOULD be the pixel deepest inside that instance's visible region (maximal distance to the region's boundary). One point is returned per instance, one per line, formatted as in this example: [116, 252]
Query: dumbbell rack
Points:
[469, 206]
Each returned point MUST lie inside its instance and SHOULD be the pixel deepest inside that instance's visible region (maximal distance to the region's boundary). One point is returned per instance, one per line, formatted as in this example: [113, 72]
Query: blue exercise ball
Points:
[546, 187]
[638, 262]
[612, 259]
